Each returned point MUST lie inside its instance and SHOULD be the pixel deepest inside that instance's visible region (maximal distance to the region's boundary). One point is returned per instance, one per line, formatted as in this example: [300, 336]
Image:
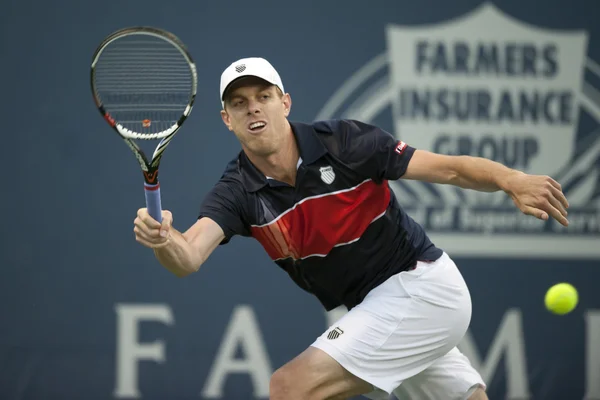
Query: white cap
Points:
[253, 66]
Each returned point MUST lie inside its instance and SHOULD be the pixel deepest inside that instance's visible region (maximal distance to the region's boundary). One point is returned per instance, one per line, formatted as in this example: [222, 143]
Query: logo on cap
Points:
[240, 68]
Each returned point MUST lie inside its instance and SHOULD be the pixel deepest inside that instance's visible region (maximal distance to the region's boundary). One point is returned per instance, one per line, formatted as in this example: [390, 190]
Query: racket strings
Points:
[144, 82]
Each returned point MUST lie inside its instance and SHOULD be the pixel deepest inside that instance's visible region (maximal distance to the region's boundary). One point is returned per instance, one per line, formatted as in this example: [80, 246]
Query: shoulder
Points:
[232, 167]
[336, 128]
[231, 172]
[350, 136]
[231, 179]
[345, 130]
[340, 126]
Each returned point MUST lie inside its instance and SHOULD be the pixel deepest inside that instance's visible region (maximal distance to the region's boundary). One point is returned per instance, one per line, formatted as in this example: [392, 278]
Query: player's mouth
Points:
[257, 126]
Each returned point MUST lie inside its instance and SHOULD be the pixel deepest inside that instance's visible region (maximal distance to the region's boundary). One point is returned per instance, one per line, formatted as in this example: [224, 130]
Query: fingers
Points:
[544, 215]
[542, 197]
[150, 232]
[151, 244]
[145, 217]
[146, 225]
[550, 201]
[555, 199]
[556, 203]
[551, 207]
[535, 212]
[555, 184]
[558, 194]
[167, 221]
[145, 233]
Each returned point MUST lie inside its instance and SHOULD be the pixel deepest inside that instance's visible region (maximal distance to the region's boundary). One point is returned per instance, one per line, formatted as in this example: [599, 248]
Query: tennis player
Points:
[316, 196]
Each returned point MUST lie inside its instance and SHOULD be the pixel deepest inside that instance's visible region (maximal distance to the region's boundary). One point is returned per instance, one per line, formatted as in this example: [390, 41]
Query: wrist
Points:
[505, 181]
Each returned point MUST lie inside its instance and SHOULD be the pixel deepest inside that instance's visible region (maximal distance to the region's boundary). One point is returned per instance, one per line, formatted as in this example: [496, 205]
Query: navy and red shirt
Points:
[340, 231]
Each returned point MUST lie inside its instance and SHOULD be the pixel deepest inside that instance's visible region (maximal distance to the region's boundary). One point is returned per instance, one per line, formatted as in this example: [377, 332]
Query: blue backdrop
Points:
[87, 312]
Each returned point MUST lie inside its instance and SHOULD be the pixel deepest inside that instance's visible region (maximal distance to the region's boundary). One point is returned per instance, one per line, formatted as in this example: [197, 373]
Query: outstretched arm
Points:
[379, 155]
[537, 195]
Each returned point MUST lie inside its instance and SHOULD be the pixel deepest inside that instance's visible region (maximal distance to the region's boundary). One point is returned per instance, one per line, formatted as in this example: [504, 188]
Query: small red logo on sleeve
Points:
[400, 147]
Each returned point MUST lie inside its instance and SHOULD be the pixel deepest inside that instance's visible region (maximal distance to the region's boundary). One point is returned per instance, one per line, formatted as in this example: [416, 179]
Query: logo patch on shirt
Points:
[327, 174]
[400, 147]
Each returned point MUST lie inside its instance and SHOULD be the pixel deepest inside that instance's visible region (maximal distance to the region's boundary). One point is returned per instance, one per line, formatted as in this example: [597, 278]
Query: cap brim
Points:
[240, 78]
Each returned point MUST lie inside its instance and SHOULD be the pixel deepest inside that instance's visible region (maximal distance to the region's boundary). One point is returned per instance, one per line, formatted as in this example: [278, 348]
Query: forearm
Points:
[178, 256]
[480, 174]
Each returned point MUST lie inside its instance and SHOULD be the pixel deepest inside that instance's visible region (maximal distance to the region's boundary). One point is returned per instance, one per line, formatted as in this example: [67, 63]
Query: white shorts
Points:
[402, 338]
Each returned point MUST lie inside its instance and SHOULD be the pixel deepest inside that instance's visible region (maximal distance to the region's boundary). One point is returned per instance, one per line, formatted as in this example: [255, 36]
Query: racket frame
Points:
[149, 167]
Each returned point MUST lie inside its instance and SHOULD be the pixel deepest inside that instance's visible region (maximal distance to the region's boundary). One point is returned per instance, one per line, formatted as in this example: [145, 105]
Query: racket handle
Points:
[153, 201]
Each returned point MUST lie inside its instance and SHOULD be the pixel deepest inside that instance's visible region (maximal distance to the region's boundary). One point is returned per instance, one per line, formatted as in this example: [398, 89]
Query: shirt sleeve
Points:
[366, 149]
[225, 204]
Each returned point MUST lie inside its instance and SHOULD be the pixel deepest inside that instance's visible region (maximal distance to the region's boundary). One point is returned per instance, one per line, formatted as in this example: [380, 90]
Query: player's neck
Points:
[281, 165]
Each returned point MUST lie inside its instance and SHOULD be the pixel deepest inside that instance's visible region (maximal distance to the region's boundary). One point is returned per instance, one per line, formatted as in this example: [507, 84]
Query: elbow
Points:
[182, 273]
[180, 270]
[188, 269]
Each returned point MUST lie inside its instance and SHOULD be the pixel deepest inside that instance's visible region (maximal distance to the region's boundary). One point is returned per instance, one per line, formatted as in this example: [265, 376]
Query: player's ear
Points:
[287, 103]
[226, 120]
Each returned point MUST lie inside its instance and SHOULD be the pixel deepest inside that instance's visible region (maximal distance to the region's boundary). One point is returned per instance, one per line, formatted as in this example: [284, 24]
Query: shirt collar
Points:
[310, 148]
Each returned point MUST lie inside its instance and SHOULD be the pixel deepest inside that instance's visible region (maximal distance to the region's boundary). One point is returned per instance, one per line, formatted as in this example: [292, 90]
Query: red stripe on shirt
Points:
[314, 226]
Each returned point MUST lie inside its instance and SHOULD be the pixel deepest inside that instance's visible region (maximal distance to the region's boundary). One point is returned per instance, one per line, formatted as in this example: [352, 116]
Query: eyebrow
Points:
[263, 87]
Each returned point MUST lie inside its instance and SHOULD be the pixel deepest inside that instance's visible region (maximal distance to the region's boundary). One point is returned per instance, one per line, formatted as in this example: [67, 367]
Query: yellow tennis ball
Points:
[561, 298]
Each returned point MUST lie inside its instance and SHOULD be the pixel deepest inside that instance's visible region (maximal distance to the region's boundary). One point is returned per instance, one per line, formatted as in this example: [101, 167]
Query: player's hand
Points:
[149, 231]
[540, 196]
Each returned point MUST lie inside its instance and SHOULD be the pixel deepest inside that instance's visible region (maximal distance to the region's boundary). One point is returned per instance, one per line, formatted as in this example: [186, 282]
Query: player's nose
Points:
[253, 106]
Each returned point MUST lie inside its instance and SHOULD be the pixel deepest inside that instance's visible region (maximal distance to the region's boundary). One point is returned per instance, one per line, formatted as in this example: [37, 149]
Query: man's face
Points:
[256, 112]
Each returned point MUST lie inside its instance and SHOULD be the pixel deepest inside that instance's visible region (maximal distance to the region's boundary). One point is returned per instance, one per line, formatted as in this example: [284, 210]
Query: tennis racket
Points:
[144, 84]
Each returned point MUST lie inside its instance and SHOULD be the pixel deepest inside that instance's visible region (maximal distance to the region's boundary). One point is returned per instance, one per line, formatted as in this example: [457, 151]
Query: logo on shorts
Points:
[334, 334]
[327, 174]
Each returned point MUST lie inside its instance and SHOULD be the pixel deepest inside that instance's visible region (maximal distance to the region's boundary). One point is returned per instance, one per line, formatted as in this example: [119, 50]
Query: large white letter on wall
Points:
[129, 351]
[243, 331]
